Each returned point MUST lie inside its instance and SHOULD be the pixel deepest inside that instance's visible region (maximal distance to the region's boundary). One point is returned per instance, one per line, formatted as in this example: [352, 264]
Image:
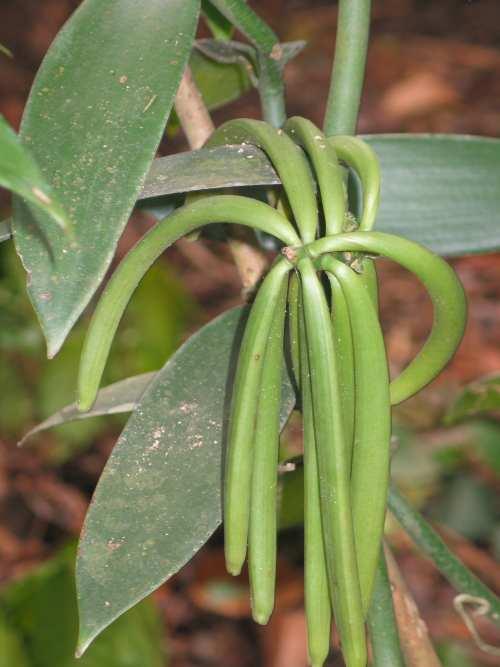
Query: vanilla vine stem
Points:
[348, 70]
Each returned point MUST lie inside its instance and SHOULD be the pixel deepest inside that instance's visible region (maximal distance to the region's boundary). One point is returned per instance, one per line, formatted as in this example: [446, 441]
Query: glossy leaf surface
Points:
[20, 173]
[439, 190]
[159, 497]
[94, 119]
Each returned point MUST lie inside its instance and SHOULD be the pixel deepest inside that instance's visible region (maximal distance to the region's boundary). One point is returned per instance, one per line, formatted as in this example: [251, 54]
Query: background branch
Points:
[415, 642]
[198, 126]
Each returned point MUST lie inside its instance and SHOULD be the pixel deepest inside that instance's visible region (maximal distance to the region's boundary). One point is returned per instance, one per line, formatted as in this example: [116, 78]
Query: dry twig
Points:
[415, 642]
[198, 126]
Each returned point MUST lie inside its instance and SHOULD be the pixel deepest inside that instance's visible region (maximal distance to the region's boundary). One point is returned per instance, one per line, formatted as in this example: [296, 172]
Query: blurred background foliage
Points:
[433, 67]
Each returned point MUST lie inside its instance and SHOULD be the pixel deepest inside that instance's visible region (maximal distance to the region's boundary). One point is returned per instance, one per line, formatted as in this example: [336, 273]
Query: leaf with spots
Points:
[93, 122]
[159, 497]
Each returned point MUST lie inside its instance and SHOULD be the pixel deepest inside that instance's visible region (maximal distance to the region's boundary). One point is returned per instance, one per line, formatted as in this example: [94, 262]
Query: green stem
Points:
[382, 624]
[348, 67]
[426, 538]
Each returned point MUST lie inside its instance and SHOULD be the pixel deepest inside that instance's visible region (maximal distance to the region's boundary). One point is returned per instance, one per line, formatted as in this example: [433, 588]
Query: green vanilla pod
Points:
[361, 157]
[263, 502]
[334, 478]
[288, 160]
[114, 300]
[242, 423]
[439, 279]
[368, 276]
[316, 591]
[324, 160]
[342, 332]
[372, 430]
[294, 326]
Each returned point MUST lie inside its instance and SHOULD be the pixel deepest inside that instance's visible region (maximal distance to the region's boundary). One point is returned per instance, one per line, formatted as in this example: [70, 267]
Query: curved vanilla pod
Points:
[263, 498]
[105, 320]
[288, 160]
[361, 157]
[332, 458]
[242, 422]
[444, 288]
[372, 430]
[324, 160]
[342, 332]
[318, 606]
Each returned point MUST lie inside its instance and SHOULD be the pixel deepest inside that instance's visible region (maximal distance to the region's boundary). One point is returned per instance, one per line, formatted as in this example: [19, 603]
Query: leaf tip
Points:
[83, 643]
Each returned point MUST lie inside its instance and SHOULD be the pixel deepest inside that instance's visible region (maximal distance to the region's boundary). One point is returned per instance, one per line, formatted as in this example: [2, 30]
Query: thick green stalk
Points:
[426, 538]
[326, 167]
[443, 286]
[372, 427]
[107, 316]
[382, 626]
[348, 70]
[286, 158]
[263, 503]
[245, 399]
[332, 457]
[316, 591]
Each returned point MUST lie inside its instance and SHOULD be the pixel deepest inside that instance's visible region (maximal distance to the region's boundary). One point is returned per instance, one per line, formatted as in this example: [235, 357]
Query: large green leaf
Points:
[94, 119]
[440, 190]
[41, 610]
[158, 499]
[20, 173]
